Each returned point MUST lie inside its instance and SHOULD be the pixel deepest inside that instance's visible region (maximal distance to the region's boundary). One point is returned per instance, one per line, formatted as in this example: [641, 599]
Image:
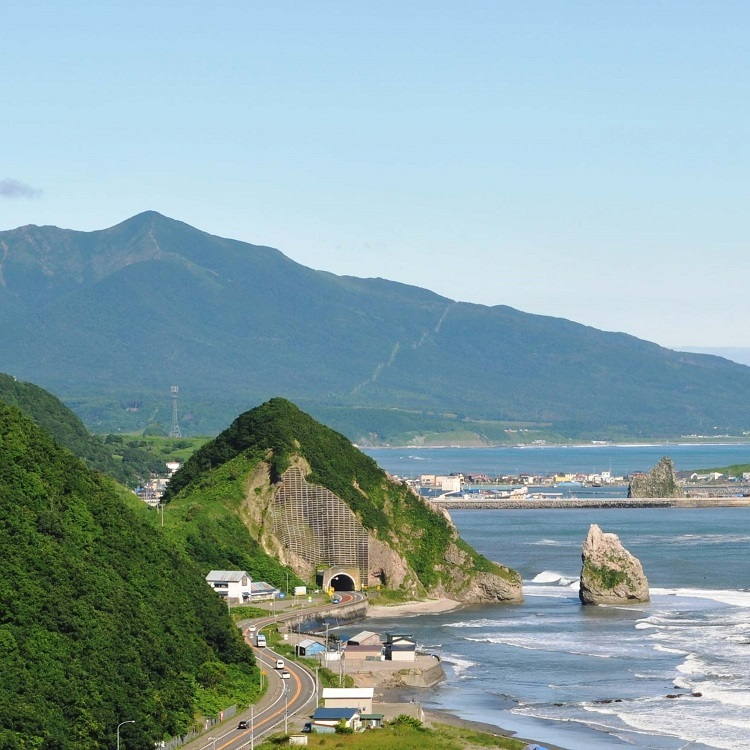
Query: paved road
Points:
[284, 700]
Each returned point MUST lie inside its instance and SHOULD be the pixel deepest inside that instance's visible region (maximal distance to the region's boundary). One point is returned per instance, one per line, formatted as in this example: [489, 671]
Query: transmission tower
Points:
[175, 431]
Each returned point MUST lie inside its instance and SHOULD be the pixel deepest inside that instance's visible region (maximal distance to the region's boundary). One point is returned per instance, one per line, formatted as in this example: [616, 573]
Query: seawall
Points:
[338, 612]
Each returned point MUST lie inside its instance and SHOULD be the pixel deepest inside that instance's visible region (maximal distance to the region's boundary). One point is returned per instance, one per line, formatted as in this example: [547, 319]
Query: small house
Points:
[400, 647]
[261, 591]
[233, 585]
[371, 721]
[332, 716]
[373, 652]
[364, 638]
[309, 647]
[361, 698]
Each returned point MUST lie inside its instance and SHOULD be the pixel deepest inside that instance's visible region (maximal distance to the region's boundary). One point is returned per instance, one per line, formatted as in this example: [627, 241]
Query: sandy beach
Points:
[428, 607]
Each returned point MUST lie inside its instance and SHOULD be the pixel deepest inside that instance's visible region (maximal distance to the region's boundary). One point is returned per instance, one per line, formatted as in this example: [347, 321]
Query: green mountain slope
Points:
[59, 421]
[110, 319]
[411, 545]
[101, 620]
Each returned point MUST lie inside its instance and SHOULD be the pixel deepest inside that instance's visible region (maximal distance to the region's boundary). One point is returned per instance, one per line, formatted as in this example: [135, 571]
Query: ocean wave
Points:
[723, 596]
[603, 649]
[668, 649]
[458, 663]
[552, 576]
[553, 592]
[483, 623]
[552, 543]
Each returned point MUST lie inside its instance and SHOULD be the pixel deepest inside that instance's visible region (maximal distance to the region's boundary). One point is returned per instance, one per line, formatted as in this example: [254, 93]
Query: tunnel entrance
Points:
[341, 578]
[342, 582]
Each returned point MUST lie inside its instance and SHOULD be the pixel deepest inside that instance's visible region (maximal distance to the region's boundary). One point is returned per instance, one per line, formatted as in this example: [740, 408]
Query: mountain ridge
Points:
[118, 315]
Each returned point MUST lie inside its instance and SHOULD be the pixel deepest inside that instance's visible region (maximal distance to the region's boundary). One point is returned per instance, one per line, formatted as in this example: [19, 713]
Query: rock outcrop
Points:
[610, 574]
[661, 481]
[316, 504]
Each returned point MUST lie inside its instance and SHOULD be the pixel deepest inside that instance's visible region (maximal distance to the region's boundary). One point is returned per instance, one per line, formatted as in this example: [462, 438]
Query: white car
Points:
[285, 675]
[279, 664]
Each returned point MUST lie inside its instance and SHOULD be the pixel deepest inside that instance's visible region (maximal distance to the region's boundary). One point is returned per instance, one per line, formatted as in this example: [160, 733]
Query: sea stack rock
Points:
[661, 481]
[610, 574]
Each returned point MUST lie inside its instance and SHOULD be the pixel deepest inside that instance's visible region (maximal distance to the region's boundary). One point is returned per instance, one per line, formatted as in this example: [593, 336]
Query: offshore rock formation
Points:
[610, 574]
[661, 481]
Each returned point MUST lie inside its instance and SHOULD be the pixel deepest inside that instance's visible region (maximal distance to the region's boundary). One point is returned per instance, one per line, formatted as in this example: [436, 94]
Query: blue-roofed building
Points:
[332, 716]
[309, 647]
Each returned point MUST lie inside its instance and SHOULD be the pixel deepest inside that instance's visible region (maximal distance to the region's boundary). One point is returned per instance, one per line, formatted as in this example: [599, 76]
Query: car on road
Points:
[251, 629]
[243, 725]
[279, 664]
[336, 599]
[285, 675]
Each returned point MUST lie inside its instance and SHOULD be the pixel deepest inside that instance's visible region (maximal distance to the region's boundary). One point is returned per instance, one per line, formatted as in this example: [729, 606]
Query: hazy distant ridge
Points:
[110, 319]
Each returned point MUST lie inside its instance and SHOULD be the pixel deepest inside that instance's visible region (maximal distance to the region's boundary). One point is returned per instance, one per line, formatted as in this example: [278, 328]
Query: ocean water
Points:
[600, 678]
[621, 460]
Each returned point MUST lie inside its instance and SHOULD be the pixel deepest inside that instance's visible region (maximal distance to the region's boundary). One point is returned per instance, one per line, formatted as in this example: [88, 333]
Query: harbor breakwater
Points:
[557, 504]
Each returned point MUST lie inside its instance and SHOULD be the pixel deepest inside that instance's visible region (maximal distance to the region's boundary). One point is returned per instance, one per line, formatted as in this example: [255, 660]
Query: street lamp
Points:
[122, 723]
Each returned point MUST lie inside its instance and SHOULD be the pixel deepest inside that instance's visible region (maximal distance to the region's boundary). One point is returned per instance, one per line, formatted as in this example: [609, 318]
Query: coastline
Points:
[444, 716]
[447, 716]
[424, 607]
[408, 694]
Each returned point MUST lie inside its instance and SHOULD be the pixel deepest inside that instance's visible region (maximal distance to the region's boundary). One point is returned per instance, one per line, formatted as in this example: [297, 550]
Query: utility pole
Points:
[252, 727]
[286, 709]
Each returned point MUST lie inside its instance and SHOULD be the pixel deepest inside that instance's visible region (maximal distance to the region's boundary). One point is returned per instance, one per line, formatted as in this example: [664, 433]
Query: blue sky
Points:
[587, 160]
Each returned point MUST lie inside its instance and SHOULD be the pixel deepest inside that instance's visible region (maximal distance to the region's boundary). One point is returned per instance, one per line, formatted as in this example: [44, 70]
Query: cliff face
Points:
[610, 574]
[661, 481]
[316, 503]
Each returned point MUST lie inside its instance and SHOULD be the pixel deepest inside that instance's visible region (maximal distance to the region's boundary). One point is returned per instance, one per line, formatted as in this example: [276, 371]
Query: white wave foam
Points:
[668, 649]
[724, 596]
[482, 623]
[553, 592]
[549, 543]
[691, 665]
[459, 664]
[603, 649]
[552, 576]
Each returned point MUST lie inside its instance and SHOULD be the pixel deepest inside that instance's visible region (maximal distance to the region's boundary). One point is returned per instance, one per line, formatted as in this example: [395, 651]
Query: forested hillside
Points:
[277, 434]
[101, 618]
[131, 465]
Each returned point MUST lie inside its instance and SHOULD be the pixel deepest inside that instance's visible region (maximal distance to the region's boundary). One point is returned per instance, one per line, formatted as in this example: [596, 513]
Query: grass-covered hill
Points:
[240, 469]
[110, 319]
[125, 463]
[101, 618]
